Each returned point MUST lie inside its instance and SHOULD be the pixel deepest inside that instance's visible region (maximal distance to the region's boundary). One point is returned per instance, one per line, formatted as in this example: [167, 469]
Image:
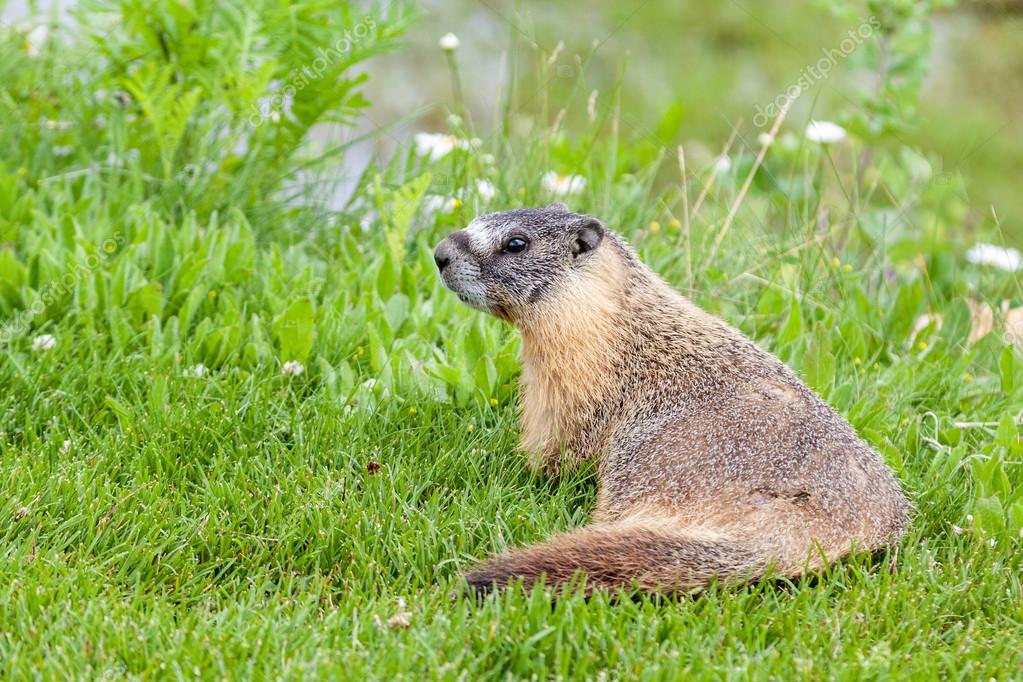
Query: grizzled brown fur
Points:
[715, 460]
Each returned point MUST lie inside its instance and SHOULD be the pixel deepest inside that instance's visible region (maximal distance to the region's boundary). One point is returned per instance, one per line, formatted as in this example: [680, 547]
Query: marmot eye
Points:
[516, 245]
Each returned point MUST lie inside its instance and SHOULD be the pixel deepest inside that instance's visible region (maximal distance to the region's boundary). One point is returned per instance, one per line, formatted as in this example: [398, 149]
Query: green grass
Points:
[173, 504]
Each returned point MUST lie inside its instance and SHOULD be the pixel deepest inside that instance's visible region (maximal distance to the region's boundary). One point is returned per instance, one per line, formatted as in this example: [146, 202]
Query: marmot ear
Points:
[587, 236]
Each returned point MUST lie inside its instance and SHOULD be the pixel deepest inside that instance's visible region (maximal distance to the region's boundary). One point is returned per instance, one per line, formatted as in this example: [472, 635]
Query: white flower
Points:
[486, 190]
[957, 529]
[998, 256]
[722, 165]
[969, 518]
[292, 368]
[114, 159]
[198, 371]
[66, 447]
[435, 145]
[563, 185]
[991, 542]
[765, 139]
[368, 221]
[449, 42]
[44, 342]
[35, 39]
[434, 203]
[824, 132]
[924, 321]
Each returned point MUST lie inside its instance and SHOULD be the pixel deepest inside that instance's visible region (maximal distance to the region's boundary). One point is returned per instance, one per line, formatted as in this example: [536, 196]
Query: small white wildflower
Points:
[65, 447]
[1000, 257]
[114, 159]
[292, 368]
[367, 221]
[434, 203]
[825, 132]
[924, 321]
[434, 145]
[486, 190]
[563, 185]
[35, 40]
[449, 42]
[723, 165]
[198, 371]
[957, 529]
[765, 139]
[44, 343]
[969, 518]
[991, 542]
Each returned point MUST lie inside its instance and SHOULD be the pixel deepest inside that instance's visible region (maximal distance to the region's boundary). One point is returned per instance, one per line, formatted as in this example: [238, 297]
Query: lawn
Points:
[247, 435]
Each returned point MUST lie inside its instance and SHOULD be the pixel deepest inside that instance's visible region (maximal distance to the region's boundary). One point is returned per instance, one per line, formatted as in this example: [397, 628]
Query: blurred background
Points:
[692, 72]
[695, 73]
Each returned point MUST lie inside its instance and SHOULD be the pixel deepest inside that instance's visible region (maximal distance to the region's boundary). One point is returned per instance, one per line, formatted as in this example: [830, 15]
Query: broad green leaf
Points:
[989, 515]
[1016, 517]
[295, 330]
[793, 327]
[1007, 365]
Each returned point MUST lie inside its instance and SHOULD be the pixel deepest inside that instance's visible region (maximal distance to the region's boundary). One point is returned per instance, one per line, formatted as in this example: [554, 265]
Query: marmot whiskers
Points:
[715, 460]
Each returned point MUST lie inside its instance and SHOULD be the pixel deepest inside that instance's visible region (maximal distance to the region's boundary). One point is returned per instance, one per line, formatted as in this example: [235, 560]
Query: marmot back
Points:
[715, 460]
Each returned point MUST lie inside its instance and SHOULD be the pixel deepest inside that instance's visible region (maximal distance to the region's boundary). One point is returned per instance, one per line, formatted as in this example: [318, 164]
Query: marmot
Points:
[715, 461]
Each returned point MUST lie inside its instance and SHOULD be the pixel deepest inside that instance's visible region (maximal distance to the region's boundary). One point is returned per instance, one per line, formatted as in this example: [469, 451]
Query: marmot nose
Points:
[449, 248]
[442, 256]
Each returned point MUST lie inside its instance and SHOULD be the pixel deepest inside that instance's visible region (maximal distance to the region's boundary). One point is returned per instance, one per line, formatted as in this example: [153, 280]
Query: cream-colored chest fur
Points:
[568, 348]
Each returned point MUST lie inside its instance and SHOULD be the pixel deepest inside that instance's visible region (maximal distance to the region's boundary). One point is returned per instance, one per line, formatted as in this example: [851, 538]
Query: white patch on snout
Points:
[480, 237]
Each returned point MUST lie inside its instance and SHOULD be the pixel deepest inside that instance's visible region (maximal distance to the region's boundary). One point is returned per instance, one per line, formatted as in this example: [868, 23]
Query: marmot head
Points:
[503, 263]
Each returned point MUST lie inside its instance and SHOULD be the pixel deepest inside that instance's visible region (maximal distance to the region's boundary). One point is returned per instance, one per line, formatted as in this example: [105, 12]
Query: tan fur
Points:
[554, 397]
[715, 460]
